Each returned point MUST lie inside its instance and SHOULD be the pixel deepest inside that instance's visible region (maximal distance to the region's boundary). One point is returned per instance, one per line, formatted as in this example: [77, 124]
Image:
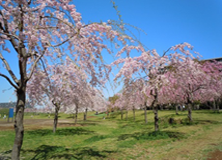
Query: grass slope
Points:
[112, 138]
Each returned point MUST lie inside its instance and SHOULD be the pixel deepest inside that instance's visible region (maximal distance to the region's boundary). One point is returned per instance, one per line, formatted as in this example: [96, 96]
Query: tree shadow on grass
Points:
[208, 122]
[6, 155]
[174, 115]
[62, 131]
[70, 117]
[95, 138]
[148, 112]
[77, 124]
[137, 124]
[186, 121]
[114, 115]
[60, 152]
[152, 135]
[206, 111]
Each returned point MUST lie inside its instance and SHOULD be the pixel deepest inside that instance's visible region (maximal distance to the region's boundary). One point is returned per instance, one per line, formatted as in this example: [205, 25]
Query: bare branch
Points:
[57, 45]
[29, 2]
[5, 30]
[70, 19]
[166, 51]
[34, 65]
[59, 20]
[50, 86]
[10, 35]
[9, 80]
[5, 21]
[9, 69]
[199, 87]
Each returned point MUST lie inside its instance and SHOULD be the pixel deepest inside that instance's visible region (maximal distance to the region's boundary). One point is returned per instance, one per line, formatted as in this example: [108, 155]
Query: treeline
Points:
[13, 104]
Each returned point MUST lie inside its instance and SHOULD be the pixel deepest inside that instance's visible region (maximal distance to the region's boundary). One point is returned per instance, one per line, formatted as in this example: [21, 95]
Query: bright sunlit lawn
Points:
[113, 138]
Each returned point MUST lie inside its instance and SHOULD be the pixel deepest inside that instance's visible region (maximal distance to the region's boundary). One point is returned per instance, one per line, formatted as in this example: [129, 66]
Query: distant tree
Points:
[190, 81]
[152, 69]
[61, 85]
[213, 91]
[113, 99]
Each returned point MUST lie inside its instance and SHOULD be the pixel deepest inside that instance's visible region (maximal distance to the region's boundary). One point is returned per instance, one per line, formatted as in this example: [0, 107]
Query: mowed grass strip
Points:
[113, 138]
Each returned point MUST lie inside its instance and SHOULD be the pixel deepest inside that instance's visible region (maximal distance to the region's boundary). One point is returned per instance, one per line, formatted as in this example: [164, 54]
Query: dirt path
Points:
[36, 124]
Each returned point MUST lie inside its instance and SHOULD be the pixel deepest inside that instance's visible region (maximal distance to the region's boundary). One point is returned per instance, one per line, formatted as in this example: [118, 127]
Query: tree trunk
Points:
[161, 107]
[218, 107]
[155, 109]
[56, 117]
[208, 104]
[121, 114]
[156, 119]
[211, 106]
[189, 108]
[145, 114]
[107, 113]
[197, 106]
[85, 115]
[214, 106]
[134, 115]
[18, 124]
[176, 109]
[76, 115]
[126, 114]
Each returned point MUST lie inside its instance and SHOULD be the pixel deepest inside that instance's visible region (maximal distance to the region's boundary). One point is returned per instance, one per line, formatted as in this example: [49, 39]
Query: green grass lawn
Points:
[113, 138]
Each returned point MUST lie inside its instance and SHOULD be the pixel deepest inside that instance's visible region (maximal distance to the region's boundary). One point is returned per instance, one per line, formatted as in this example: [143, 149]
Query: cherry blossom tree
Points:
[146, 66]
[213, 91]
[120, 103]
[190, 80]
[88, 99]
[48, 30]
[151, 67]
[132, 94]
[60, 85]
[112, 101]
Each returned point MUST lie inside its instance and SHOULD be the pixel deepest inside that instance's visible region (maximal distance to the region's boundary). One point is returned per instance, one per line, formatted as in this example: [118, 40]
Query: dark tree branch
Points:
[5, 30]
[57, 45]
[9, 80]
[9, 35]
[166, 52]
[29, 2]
[9, 69]
[34, 65]
[5, 21]
[50, 84]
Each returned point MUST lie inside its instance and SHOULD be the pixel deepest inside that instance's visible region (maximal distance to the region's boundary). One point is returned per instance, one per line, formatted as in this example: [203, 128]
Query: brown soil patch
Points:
[215, 155]
[90, 116]
[6, 128]
[31, 124]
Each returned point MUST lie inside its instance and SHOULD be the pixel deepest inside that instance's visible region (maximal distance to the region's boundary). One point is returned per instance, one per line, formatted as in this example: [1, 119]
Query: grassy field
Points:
[113, 138]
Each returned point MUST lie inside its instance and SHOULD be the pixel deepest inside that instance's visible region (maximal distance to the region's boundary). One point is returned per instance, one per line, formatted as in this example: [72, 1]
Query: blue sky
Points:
[166, 22]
